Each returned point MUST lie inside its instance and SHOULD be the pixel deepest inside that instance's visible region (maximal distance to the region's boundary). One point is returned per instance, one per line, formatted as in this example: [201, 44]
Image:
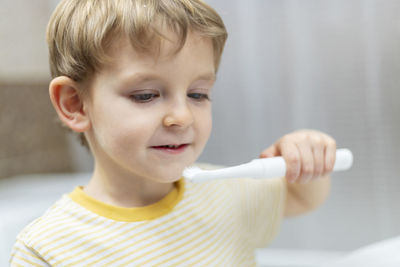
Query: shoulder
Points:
[37, 227]
[25, 249]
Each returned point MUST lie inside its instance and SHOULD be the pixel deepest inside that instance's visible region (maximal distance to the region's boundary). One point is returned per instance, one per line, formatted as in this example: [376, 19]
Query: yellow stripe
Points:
[207, 244]
[91, 247]
[16, 264]
[221, 200]
[53, 215]
[66, 224]
[229, 248]
[210, 210]
[217, 256]
[25, 250]
[213, 244]
[129, 230]
[34, 232]
[242, 248]
[143, 239]
[28, 261]
[182, 209]
[223, 254]
[51, 224]
[62, 237]
[86, 234]
[191, 248]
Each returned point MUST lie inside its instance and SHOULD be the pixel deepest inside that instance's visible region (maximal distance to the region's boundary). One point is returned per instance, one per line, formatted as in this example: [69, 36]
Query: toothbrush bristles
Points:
[191, 171]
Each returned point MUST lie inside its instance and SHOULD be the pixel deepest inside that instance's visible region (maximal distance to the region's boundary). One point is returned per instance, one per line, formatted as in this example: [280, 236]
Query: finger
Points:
[307, 162]
[319, 160]
[291, 155]
[330, 156]
[270, 152]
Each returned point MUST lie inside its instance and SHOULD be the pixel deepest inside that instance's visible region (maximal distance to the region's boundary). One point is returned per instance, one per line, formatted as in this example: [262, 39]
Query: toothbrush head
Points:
[190, 172]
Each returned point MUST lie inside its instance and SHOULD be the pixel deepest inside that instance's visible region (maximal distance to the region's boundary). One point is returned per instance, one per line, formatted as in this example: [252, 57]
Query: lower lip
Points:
[173, 151]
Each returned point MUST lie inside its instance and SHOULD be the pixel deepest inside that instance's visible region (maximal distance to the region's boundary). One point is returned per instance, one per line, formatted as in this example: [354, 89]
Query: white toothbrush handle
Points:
[276, 167]
[265, 168]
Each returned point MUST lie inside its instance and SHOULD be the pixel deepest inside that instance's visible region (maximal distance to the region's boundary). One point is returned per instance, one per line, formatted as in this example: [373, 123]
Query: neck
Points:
[124, 190]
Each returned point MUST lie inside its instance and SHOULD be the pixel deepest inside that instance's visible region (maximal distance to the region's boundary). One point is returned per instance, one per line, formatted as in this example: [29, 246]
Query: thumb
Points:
[270, 152]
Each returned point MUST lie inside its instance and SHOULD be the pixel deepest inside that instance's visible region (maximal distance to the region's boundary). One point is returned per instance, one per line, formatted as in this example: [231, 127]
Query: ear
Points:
[68, 103]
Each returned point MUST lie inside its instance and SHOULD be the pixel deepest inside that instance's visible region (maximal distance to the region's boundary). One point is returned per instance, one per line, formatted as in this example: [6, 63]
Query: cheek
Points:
[132, 132]
[209, 127]
[205, 125]
[119, 130]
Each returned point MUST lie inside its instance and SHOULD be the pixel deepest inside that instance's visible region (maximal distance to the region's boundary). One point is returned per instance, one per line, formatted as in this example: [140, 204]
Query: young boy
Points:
[134, 77]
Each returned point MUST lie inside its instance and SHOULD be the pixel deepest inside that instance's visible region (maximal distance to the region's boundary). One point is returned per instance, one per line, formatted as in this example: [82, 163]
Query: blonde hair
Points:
[80, 32]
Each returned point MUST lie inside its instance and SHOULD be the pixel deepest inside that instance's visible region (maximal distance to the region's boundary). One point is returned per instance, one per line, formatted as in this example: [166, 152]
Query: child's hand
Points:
[308, 154]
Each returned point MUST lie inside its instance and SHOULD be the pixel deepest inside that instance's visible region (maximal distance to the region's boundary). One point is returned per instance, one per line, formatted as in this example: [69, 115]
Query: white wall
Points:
[328, 65]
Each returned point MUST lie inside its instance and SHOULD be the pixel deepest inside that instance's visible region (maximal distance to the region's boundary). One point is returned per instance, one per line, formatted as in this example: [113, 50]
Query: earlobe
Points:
[68, 103]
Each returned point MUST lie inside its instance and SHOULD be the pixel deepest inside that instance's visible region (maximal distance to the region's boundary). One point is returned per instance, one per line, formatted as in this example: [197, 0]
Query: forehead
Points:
[197, 54]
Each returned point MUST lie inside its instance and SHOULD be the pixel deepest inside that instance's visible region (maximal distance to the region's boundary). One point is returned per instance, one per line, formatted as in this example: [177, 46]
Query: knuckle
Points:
[316, 139]
[318, 164]
[304, 136]
[330, 165]
[331, 142]
[318, 172]
[308, 170]
[293, 159]
[291, 173]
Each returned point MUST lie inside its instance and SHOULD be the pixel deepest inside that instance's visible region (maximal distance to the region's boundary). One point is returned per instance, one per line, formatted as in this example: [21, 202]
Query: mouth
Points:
[171, 149]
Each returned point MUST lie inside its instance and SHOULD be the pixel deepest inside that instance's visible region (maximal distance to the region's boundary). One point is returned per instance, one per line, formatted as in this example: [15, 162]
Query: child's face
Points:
[138, 105]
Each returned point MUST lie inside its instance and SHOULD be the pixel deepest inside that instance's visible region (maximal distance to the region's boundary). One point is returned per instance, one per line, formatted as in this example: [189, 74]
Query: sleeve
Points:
[261, 205]
[22, 255]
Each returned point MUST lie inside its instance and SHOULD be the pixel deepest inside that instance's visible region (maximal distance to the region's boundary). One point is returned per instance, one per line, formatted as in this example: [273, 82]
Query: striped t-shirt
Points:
[217, 223]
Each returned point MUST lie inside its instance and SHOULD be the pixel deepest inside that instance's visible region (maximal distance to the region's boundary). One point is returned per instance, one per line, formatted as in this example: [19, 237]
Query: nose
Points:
[178, 114]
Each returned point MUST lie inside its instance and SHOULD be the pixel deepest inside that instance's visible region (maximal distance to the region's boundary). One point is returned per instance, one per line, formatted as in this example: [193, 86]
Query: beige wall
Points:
[31, 139]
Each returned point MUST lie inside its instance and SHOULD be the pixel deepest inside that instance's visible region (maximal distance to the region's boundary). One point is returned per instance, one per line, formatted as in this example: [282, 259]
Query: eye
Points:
[199, 96]
[143, 98]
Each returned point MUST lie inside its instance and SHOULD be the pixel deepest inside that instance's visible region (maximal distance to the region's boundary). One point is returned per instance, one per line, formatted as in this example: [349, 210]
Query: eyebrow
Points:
[208, 76]
[144, 77]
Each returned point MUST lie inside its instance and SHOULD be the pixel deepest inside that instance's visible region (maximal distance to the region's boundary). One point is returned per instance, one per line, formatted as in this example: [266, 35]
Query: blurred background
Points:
[327, 65]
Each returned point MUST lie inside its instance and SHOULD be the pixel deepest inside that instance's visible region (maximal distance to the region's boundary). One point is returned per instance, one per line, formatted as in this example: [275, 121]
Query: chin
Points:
[169, 177]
